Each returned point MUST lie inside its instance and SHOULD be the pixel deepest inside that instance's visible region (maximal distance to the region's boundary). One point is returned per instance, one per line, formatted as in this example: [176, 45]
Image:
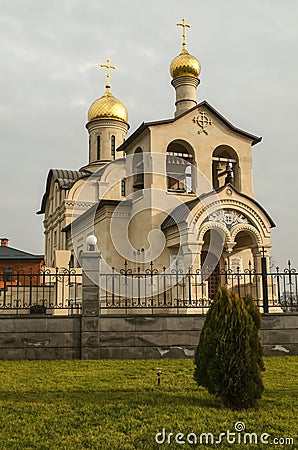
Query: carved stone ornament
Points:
[228, 217]
[203, 121]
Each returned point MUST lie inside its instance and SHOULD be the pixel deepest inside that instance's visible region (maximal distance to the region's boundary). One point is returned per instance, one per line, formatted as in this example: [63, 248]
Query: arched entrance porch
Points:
[231, 258]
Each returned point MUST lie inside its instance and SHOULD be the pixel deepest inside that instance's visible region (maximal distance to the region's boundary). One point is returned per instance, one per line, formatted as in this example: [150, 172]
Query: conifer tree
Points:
[228, 358]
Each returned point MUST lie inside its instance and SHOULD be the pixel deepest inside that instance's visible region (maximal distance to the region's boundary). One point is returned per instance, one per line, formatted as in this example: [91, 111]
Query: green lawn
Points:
[117, 405]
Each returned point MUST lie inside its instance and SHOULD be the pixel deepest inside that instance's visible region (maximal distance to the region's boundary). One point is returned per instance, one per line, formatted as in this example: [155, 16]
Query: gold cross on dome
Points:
[108, 66]
[184, 25]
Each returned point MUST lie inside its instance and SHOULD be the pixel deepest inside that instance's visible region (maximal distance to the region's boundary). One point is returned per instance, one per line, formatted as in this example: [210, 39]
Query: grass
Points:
[116, 405]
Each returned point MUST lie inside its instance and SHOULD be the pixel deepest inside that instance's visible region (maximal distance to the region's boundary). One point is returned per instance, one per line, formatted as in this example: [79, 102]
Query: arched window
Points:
[179, 168]
[225, 167]
[98, 148]
[138, 169]
[113, 148]
[123, 187]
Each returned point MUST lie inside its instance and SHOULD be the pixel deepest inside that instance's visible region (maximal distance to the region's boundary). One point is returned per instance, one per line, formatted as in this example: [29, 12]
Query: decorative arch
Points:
[74, 192]
[250, 229]
[255, 215]
[181, 146]
[214, 225]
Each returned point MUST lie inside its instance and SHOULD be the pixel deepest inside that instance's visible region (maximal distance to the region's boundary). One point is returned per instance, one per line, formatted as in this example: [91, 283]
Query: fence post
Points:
[90, 305]
[264, 281]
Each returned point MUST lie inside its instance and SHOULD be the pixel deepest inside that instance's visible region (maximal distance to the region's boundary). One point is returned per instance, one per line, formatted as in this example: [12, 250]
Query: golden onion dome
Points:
[185, 65]
[107, 107]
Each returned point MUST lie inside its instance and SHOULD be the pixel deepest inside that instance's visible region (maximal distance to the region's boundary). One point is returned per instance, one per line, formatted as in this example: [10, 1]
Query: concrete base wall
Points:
[40, 337]
[279, 334]
[156, 337]
[125, 337]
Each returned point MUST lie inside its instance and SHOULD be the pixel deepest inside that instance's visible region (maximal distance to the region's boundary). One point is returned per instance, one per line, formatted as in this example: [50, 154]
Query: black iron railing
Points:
[135, 289]
[54, 290]
[45, 292]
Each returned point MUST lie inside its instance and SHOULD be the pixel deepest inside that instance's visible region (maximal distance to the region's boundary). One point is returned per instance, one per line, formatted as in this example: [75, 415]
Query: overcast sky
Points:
[49, 77]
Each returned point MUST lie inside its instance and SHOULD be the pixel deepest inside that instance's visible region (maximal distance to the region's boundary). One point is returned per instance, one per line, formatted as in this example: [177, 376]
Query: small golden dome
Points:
[185, 65]
[107, 107]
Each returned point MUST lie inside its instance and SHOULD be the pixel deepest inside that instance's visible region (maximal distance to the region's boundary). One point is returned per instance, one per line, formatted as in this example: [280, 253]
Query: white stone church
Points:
[176, 191]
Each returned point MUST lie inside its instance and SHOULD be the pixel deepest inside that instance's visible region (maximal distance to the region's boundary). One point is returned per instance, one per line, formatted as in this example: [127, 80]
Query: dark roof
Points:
[65, 180]
[13, 253]
[145, 125]
[180, 213]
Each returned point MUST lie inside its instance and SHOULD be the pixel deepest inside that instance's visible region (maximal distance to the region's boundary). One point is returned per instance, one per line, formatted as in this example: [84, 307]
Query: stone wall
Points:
[40, 337]
[125, 337]
[279, 334]
[168, 336]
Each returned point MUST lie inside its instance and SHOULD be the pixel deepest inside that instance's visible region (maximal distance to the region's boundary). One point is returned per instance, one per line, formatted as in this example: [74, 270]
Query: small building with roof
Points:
[14, 261]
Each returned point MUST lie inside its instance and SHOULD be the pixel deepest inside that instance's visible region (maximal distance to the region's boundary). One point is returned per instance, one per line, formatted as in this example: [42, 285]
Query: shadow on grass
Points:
[149, 397]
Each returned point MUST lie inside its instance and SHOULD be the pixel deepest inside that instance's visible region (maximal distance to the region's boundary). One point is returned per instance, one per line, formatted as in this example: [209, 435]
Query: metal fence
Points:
[59, 291]
[152, 289]
[51, 291]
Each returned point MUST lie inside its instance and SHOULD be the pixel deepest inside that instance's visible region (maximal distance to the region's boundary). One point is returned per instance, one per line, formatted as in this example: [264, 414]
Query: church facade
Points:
[176, 192]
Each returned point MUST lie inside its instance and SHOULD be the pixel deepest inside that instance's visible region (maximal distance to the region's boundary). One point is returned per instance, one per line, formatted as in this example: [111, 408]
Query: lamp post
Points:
[91, 242]
[158, 373]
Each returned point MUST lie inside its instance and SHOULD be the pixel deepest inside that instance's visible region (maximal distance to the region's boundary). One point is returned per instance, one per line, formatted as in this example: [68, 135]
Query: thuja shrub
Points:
[228, 358]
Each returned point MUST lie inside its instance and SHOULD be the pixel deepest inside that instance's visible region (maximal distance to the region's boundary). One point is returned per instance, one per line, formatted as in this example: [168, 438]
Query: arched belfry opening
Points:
[179, 166]
[225, 167]
[138, 169]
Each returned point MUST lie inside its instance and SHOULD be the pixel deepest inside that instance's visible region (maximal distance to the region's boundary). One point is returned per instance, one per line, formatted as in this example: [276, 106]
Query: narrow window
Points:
[113, 146]
[138, 169]
[98, 148]
[123, 183]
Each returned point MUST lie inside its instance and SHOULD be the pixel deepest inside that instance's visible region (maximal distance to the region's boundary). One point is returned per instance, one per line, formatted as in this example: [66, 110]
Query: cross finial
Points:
[184, 25]
[263, 251]
[108, 66]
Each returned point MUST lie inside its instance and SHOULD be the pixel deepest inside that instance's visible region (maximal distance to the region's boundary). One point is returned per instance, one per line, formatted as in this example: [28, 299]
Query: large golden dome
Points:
[108, 107]
[185, 65]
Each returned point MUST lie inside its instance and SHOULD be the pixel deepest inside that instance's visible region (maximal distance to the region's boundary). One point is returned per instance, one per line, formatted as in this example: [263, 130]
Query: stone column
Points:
[90, 305]
[257, 278]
